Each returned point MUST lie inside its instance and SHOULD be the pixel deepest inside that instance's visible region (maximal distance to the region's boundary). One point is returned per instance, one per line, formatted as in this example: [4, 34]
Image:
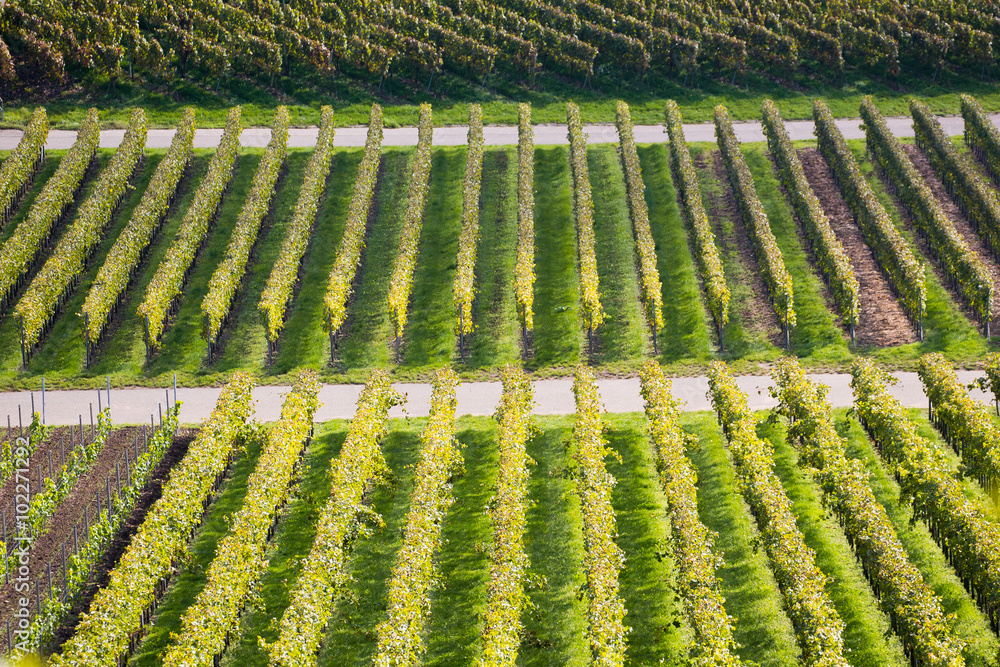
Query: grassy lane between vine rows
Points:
[185, 585]
[122, 353]
[290, 545]
[660, 631]
[44, 173]
[497, 338]
[625, 336]
[62, 351]
[350, 635]
[686, 338]
[459, 603]
[243, 342]
[303, 341]
[365, 343]
[430, 338]
[744, 338]
[10, 332]
[817, 335]
[762, 628]
[558, 335]
[969, 623]
[555, 627]
[868, 636]
[184, 348]
[946, 328]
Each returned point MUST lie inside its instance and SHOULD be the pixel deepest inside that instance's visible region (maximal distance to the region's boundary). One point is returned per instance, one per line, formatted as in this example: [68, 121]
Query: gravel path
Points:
[552, 397]
[493, 135]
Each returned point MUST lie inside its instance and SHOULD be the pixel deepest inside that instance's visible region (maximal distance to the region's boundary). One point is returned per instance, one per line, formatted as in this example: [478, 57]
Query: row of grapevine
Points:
[895, 257]
[772, 264]
[277, 295]
[31, 236]
[46, 501]
[9, 454]
[401, 284]
[583, 205]
[239, 559]
[694, 544]
[817, 625]
[968, 537]
[229, 274]
[65, 264]
[400, 636]
[22, 163]
[981, 135]
[829, 253]
[712, 275]
[652, 292]
[82, 565]
[325, 570]
[168, 281]
[345, 266]
[974, 196]
[506, 597]
[963, 421]
[603, 558]
[107, 632]
[524, 263]
[916, 611]
[108, 289]
[960, 263]
[992, 379]
[463, 291]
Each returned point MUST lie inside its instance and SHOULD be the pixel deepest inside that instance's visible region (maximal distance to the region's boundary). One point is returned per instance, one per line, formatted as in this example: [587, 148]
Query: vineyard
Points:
[799, 535]
[140, 263]
[348, 49]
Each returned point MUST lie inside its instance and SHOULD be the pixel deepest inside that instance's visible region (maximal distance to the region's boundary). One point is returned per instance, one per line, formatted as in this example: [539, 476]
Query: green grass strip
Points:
[685, 320]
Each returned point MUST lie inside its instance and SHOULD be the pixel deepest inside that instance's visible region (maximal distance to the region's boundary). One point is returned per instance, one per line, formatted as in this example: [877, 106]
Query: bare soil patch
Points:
[962, 224]
[109, 466]
[883, 322]
[758, 316]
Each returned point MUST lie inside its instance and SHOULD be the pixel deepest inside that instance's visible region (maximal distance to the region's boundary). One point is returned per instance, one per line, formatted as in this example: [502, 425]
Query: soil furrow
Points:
[758, 315]
[883, 322]
[962, 224]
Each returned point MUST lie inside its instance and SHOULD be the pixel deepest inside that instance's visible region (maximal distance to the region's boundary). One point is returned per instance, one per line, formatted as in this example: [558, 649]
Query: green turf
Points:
[969, 623]
[752, 597]
[743, 336]
[658, 622]
[555, 626]
[351, 633]
[304, 341]
[558, 337]
[458, 604]
[185, 586]
[430, 338]
[369, 330]
[816, 335]
[497, 338]
[686, 323]
[292, 542]
[624, 334]
[868, 638]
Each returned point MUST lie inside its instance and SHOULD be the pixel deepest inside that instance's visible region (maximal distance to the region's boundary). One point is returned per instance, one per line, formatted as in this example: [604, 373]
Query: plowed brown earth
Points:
[759, 318]
[48, 548]
[962, 224]
[883, 322]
